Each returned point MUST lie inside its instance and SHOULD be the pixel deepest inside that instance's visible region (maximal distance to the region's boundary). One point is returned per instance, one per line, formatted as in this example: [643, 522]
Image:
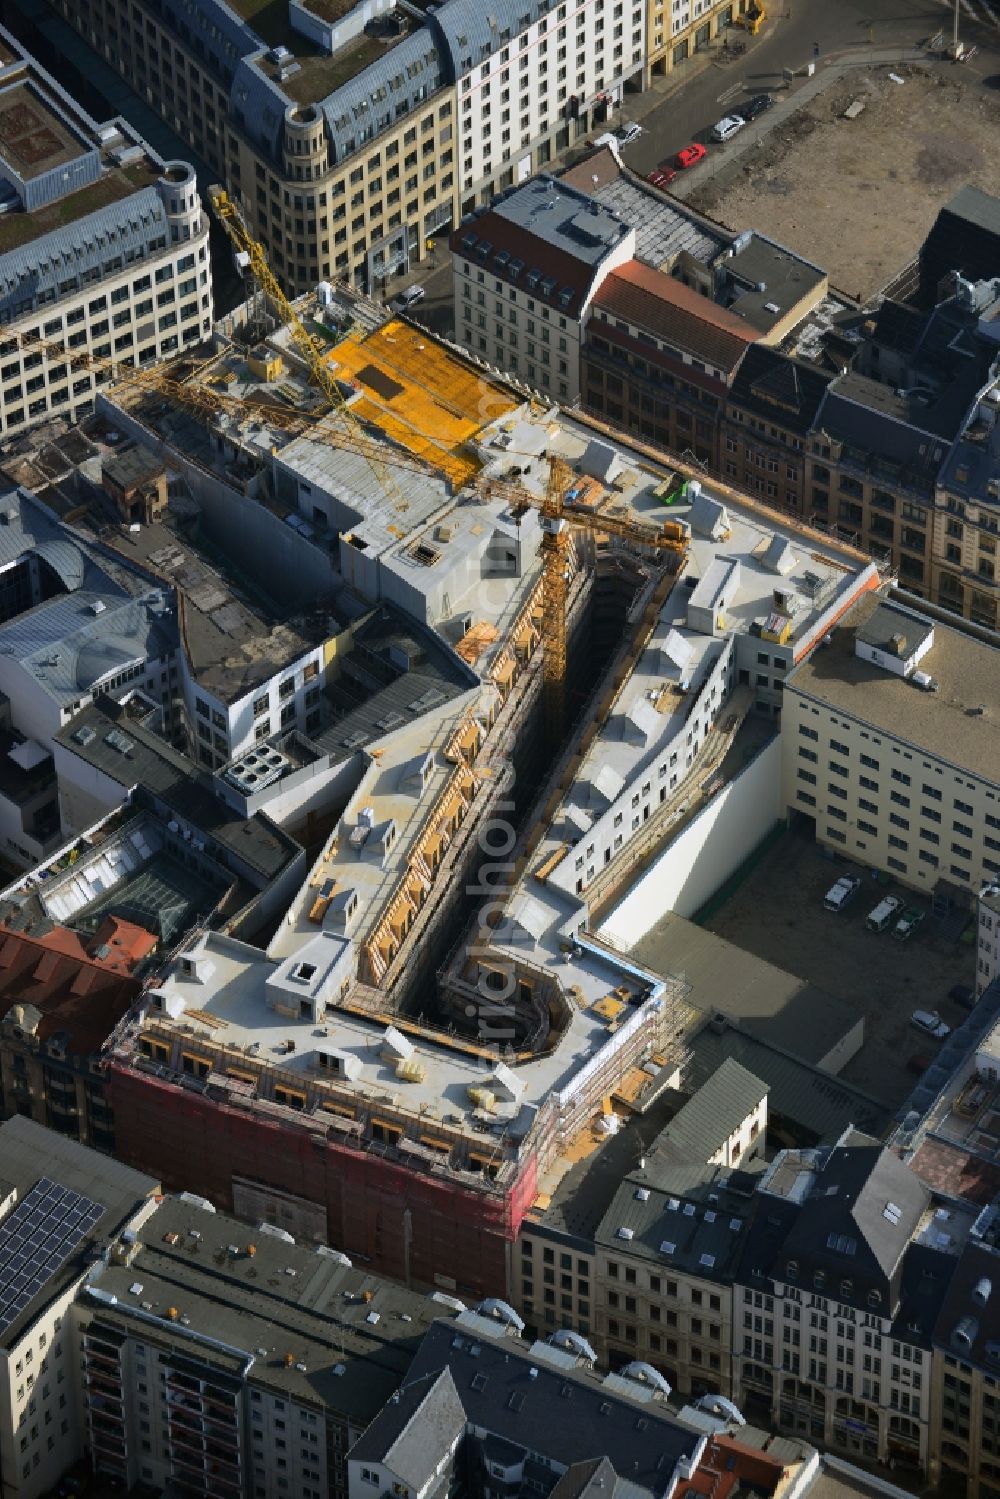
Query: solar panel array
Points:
[36, 1239]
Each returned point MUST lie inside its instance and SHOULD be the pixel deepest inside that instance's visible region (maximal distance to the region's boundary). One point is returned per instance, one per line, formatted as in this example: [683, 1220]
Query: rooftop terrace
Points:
[118, 182]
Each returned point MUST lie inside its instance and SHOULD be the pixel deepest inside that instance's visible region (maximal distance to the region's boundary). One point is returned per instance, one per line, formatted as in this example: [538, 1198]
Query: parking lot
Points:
[778, 914]
[857, 196]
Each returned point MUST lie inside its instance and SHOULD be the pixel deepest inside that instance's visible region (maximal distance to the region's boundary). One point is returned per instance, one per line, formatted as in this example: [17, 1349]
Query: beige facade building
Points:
[678, 29]
[649, 1276]
[889, 747]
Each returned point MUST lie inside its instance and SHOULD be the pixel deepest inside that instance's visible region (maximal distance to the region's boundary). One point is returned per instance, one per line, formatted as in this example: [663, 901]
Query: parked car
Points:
[918, 1063]
[690, 156]
[663, 175]
[727, 128]
[963, 995]
[409, 298]
[838, 895]
[629, 132]
[754, 107]
[930, 1022]
[908, 923]
[886, 911]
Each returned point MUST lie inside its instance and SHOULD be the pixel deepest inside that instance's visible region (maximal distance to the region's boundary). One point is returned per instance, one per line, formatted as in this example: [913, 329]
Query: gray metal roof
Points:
[130, 228]
[472, 31]
[395, 84]
[716, 1111]
[802, 1096]
[67, 648]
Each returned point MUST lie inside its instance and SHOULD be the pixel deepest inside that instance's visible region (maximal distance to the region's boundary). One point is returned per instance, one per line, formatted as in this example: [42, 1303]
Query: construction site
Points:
[536, 662]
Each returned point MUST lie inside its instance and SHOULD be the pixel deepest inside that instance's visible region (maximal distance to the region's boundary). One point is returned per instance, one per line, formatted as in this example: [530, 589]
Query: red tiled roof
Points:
[129, 944]
[957, 1173]
[668, 309]
[726, 1465]
[72, 992]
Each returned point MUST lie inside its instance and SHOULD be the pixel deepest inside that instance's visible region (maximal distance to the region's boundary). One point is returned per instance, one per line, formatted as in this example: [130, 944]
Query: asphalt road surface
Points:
[685, 106]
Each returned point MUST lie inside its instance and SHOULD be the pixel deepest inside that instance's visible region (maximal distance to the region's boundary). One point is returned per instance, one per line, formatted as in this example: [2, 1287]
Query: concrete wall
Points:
[711, 848]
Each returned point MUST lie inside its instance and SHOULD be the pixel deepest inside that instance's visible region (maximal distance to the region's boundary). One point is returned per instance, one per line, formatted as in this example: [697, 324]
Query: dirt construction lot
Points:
[858, 196]
[778, 914]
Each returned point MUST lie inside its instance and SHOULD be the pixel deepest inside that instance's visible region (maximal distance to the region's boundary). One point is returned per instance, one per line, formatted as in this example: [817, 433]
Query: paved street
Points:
[684, 106]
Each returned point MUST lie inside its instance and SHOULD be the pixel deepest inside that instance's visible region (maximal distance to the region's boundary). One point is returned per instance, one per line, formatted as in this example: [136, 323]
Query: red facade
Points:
[422, 1229]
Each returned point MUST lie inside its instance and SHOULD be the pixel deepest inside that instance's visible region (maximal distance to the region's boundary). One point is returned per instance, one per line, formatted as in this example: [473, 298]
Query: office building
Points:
[888, 750]
[353, 142]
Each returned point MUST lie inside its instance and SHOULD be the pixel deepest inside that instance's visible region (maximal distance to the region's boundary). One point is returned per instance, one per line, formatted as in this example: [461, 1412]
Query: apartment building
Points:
[764, 442]
[63, 994]
[103, 248]
[61, 1205]
[531, 77]
[649, 1276]
[888, 748]
[835, 1301]
[965, 525]
[526, 271]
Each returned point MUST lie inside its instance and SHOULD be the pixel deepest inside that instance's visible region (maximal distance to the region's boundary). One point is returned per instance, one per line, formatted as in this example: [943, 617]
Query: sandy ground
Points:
[778, 914]
[858, 196]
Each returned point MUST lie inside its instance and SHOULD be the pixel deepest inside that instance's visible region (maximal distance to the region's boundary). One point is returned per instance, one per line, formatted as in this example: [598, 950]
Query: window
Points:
[867, 760]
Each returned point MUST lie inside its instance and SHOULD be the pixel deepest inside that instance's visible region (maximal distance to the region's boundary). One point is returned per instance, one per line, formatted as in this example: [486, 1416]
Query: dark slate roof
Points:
[897, 326]
[856, 1223]
[972, 1303]
[927, 1274]
[964, 237]
[557, 1412]
[779, 389]
[701, 1237]
[173, 783]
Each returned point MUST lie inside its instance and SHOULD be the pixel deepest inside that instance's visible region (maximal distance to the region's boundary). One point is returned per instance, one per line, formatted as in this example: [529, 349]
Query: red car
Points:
[663, 176]
[690, 156]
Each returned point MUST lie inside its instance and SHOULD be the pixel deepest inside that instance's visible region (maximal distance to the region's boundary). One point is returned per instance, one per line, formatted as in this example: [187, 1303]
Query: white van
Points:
[838, 895]
[884, 913]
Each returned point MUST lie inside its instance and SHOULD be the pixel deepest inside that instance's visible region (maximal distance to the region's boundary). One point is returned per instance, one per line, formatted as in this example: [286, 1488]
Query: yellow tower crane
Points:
[558, 514]
[251, 253]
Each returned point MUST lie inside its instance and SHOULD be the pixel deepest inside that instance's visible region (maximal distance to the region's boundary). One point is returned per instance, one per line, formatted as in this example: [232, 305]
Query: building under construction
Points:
[546, 649]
